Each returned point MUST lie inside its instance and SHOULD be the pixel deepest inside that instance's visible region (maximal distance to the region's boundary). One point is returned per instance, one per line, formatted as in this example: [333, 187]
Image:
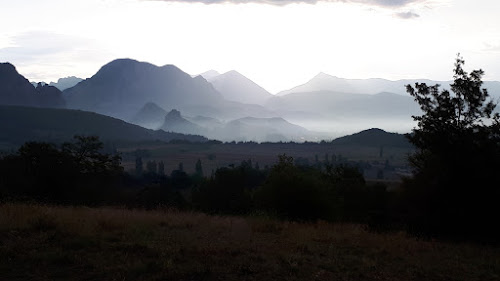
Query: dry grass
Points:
[77, 243]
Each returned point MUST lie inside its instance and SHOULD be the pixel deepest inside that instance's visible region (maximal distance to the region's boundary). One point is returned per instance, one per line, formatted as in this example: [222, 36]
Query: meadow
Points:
[42, 242]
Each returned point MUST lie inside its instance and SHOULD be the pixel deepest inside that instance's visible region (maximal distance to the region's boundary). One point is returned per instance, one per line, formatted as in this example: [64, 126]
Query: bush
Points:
[296, 194]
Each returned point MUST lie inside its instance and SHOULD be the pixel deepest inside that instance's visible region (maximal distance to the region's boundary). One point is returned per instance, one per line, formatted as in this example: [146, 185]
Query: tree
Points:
[458, 156]
[87, 153]
[198, 168]
[138, 166]
[161, 168]
[296, 193]
[152, 167]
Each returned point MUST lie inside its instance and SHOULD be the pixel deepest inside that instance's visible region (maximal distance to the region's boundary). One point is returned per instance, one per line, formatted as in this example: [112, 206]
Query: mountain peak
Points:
[209, 75]
[234, 86]
[7, 66]
[173, 114]
[174, 122]
[232, 73]
[323, 75]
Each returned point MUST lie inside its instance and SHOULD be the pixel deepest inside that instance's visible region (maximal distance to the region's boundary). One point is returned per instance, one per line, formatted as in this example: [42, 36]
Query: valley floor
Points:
[79, 243]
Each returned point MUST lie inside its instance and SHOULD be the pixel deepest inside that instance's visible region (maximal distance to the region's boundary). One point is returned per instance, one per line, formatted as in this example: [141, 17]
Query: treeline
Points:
[81, 172]
[78, 172]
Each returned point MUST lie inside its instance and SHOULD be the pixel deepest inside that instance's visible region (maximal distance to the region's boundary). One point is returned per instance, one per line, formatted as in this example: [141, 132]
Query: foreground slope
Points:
[81, 243]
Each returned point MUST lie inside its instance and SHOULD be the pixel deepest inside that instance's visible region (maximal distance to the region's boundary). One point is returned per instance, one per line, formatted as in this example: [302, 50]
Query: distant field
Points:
[213, 156]
[79, 243]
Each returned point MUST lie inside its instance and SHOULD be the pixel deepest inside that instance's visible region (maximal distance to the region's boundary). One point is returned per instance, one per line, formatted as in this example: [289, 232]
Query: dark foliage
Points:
[454, 192]
[74, 172]
[229, 189]
[335, 193]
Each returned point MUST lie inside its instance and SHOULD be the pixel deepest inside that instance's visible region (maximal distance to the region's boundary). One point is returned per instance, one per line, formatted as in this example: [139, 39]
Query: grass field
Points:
[78, 243]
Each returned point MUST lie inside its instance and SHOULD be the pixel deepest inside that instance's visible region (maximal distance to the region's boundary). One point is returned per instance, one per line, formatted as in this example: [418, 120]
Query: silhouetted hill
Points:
[374, 137]
[174, 122]
[121, 87]
[150, 116]
[17, 90]
[236, 87]
[44, 124]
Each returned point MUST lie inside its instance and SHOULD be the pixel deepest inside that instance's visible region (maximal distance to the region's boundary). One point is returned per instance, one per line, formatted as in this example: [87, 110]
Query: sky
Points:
[278, 44]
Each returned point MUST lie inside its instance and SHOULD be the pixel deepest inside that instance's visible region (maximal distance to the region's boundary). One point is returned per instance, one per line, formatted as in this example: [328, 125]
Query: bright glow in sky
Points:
[277, 46]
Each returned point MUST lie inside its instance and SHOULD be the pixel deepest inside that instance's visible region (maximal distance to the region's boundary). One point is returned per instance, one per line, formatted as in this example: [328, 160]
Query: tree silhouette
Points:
[161, 168]
[152, 167]
[458, 156]
[138, 166]
[88, 156]
[198, 168]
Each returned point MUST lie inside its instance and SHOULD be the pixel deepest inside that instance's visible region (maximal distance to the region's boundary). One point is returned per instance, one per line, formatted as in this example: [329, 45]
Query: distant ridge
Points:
[66, 82]
[326, 82]
[374, 137]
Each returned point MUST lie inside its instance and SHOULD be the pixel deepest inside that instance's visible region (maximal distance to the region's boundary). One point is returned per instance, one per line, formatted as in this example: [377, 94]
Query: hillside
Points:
[55, 125]
[374, 137]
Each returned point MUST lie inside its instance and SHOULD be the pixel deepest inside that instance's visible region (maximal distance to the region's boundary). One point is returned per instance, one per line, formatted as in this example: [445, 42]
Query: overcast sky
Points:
[276, 43]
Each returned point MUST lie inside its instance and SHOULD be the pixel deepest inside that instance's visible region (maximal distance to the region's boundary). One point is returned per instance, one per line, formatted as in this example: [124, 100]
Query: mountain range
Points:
[325, 82]
[226, 106]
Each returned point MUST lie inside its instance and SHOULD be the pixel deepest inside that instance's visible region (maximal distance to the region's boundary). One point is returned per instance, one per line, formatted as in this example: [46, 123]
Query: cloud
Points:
[46, 56]
[380, 3]
[34, 43]
[407, 15]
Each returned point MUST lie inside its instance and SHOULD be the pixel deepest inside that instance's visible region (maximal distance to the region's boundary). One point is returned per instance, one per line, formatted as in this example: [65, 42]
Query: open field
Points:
[78, 243]
[214, 156]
